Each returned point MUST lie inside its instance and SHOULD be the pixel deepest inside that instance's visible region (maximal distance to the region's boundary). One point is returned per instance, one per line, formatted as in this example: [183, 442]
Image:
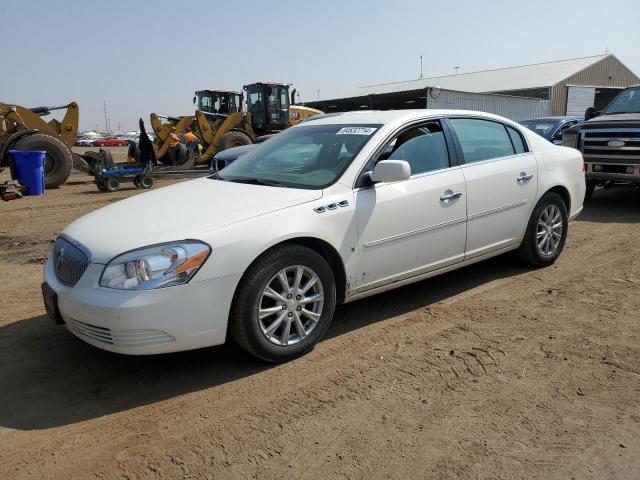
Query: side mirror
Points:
[391, 171]
[590, 113]
[558, 135]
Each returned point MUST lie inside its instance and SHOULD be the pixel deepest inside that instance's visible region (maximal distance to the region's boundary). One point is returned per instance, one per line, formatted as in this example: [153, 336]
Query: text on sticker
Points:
[356, 131]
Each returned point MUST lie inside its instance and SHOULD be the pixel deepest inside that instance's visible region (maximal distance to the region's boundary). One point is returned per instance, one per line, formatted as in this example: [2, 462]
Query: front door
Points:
[417, 225]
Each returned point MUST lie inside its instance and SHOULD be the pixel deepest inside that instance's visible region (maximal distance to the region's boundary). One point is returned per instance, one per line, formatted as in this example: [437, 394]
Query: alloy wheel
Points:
[290, 306]
[549, 230]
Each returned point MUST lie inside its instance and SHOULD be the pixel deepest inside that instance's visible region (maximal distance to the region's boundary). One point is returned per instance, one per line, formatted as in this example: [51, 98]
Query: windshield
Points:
[308, 156]
[209, 103]
[541, 127]
[628, 101]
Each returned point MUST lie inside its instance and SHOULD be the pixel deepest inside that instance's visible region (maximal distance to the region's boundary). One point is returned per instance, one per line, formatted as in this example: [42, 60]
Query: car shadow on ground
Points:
[614, 205]
[50, 378]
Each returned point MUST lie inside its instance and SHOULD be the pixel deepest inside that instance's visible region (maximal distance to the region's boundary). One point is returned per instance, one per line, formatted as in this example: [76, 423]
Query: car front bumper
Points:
[165, 320]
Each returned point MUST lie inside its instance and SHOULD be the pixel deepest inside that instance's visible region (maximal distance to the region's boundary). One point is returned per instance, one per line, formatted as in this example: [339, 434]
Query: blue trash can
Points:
[29, 168]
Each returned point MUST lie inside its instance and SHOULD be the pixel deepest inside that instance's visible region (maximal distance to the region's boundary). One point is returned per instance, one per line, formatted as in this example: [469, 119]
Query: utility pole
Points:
[106, 121]
[318, 91]
[420, 66]
[456, 69]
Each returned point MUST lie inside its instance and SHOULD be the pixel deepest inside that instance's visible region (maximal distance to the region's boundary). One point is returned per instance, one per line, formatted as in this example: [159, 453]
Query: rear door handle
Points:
[450, 195]
[524, 177]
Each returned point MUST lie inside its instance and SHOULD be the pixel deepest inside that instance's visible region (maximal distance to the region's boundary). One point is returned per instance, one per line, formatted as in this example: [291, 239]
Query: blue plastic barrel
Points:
[29, 168]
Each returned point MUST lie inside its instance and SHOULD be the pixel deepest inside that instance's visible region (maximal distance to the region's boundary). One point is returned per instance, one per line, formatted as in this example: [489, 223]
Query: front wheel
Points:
[546, 232]
[284, 304]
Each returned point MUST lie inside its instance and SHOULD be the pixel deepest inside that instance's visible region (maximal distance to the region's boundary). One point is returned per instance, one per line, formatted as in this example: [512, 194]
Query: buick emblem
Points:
[616, 143]
[59, 259]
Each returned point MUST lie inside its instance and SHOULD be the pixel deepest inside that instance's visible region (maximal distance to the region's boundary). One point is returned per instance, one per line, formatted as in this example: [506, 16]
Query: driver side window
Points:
[423, 147]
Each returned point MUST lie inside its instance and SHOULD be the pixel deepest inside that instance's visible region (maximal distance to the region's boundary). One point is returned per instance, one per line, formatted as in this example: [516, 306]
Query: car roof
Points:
[383, 117]
[554, 118]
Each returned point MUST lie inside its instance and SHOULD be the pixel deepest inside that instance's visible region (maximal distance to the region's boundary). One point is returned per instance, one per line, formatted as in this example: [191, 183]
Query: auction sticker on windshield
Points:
[356, 131]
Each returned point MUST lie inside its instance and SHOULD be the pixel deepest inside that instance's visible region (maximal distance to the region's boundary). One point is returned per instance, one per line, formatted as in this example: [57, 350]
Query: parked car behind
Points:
[326, 212]
[552, 128]
[110, 142]
[86, 141]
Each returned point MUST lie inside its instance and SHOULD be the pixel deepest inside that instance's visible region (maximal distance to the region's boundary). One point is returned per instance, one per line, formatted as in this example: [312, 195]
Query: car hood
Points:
[177, 212]
[615, 118]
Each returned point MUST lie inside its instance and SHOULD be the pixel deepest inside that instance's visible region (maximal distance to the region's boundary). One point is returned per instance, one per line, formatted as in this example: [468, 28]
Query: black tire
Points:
[591, 187]
[234, 138]
[136, 181]
[529, 249]
[133, 152]
[107, 157]
[244, 326]
[92, 158]
[146, 182]
[178, 154]
[101, 185]
[58, 160]
[112, 185]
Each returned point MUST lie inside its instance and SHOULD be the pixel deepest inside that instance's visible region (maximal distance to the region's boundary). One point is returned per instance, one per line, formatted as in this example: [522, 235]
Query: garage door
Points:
[579, 98]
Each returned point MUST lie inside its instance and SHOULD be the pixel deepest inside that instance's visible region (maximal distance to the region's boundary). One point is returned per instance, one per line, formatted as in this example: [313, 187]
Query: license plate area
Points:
[51, 304]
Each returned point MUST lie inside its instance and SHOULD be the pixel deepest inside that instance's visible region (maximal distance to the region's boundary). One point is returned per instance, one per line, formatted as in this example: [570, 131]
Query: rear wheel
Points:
[58, 159]
[234, 139]
[546, 232]
[284, 304]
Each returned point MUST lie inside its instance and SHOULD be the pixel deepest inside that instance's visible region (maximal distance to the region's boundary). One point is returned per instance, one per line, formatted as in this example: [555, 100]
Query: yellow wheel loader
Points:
[220, 122]
[24, 129]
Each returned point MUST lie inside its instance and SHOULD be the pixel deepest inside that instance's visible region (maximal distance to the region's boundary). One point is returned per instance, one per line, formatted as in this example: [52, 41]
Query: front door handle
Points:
[524, 177]
[450, 195]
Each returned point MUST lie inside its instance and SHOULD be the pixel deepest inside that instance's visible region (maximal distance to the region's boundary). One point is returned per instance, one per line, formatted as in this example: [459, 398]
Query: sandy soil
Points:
[492, 371]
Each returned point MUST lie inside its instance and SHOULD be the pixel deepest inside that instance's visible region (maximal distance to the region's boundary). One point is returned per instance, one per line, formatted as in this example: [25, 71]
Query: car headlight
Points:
[570, 139]
[158, 266]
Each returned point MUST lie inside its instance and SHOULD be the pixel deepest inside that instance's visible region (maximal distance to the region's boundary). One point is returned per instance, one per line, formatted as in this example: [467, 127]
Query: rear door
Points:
[501, 177]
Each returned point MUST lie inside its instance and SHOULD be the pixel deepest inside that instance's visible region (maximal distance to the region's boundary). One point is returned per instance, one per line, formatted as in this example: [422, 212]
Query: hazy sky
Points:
[144, 56]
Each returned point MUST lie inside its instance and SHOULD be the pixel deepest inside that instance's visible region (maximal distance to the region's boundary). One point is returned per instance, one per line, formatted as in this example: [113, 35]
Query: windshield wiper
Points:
[253, 181]
[617, 113]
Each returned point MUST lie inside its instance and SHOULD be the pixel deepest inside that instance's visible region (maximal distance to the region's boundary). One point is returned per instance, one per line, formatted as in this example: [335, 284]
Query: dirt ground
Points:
[493, 371]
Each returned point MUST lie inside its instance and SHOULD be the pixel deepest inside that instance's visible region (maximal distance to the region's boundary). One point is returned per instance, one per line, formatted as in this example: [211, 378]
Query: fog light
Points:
[629, 170]
[596, 168]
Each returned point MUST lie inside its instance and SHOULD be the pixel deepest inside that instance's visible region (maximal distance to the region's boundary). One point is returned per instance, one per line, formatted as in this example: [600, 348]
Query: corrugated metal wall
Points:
[514, 108]
[608, 72]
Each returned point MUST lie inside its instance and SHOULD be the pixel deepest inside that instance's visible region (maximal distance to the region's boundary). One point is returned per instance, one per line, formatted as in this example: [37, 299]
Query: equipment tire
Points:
[145, 182]
[58, 159]
[252, 332]
[112, 185]
[550, 210]
[234, 138]
[133, 152]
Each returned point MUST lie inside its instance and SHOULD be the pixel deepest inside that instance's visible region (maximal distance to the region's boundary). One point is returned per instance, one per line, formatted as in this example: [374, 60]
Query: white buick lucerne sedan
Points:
[329, 211]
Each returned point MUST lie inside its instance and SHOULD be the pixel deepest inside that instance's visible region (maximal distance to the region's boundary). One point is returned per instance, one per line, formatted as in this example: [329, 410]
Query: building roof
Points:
[501, 79]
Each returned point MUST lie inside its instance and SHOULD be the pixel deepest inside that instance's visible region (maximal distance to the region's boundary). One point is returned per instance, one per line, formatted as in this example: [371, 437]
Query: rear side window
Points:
[482, 139]
[516, 138]
[423, 147]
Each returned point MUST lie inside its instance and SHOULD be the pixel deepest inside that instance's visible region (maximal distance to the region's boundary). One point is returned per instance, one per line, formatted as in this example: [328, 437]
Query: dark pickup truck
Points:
[610, 142]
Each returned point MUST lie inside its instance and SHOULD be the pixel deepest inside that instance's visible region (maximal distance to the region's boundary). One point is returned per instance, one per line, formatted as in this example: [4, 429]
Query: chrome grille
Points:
[69, 261]
[611, 145]
[119, 338]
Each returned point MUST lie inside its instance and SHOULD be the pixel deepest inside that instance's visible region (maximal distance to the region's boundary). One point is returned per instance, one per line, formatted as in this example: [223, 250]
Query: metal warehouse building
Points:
[564, 87]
